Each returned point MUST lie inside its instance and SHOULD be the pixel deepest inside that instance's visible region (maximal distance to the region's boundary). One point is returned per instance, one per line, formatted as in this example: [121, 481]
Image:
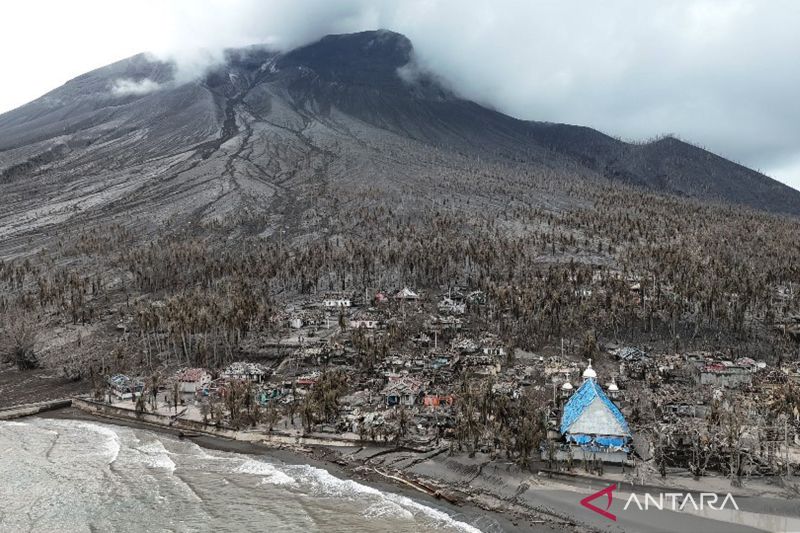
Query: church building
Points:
[591, 420]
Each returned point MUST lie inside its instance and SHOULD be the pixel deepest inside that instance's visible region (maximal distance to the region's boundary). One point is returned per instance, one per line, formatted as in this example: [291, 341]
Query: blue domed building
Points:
[592, 422]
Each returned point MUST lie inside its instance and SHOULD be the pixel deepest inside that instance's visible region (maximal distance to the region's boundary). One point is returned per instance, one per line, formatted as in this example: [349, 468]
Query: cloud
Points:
[194, 35]
[720, 74]
[124, 87]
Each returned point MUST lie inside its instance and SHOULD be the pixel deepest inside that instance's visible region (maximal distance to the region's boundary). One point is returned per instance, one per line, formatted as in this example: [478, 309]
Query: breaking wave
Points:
[12, 423]
[322, 483]
[438, 516]
[326, 484]
[108, 448]
[387, 509]
[271, 475]
[156, 456]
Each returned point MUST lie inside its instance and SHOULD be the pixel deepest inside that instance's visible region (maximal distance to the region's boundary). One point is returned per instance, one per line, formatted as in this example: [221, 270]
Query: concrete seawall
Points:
[192, 426]
[20, 411]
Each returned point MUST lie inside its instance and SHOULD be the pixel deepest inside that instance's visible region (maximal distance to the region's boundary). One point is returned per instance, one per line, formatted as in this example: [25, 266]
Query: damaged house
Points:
[193, 379]
[404, 391]
[244, 371]
[726, 374]
[450, 306]
[406, 294]
[335, 303]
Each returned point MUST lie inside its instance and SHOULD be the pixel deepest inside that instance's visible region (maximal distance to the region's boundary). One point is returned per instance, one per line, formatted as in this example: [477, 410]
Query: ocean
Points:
[77, 476]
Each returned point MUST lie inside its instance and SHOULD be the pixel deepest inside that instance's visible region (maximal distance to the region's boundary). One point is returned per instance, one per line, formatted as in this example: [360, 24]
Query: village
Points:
[406, 368]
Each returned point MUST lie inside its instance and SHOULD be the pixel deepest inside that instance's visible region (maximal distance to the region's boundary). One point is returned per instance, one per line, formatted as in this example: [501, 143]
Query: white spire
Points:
[589, 373]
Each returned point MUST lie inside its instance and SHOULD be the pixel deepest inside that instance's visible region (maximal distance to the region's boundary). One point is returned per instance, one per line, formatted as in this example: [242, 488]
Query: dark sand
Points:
[32, 386]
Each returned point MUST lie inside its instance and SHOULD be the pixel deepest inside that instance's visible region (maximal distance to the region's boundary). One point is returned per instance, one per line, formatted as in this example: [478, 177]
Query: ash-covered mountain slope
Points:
[670, 165]
[279, 141]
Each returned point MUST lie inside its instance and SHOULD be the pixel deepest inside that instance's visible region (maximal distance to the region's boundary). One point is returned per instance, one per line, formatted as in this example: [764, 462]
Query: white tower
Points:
[589, 373]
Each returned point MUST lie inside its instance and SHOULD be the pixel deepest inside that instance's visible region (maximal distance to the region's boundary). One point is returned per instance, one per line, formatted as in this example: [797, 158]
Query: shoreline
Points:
[329, 459]
[487, 493]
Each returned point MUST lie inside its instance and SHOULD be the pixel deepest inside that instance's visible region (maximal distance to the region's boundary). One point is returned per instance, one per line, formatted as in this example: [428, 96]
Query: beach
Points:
[485, 492]
[330, 460]
[499, 496]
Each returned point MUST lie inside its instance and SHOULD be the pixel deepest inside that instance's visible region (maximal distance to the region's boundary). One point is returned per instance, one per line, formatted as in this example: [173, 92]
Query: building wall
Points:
[580, 455]
[337, 303]
[725, 379]
[597, 419]
[276, 437]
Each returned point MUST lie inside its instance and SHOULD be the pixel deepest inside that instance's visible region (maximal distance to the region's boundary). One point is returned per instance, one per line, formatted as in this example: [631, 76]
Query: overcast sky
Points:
[724, 74]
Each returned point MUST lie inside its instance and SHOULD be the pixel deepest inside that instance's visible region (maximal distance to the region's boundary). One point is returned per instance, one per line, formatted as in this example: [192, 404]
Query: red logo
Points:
[608, 492]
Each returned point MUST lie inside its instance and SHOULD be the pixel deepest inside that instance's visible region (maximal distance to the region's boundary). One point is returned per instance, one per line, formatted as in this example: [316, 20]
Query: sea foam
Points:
[388, 504]
[11, 423]
[388, 509]
[111, 444]
[271, 474]
[155, 455]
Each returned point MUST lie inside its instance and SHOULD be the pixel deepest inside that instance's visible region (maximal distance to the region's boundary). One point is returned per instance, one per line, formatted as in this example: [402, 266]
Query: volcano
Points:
[272, 142]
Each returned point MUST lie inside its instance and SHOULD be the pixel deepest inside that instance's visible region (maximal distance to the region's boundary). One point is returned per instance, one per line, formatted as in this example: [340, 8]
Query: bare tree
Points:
[18, 334]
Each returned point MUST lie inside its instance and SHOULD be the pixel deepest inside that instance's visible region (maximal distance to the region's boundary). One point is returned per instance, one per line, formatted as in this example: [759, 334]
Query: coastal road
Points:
[561, 497]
